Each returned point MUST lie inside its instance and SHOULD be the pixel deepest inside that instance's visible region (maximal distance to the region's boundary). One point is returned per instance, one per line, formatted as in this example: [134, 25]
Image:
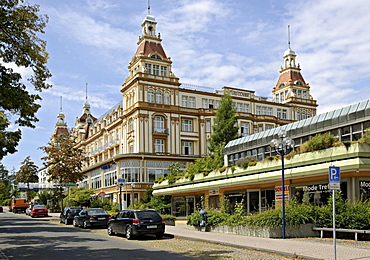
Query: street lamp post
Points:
[133, 194]
[282, 147]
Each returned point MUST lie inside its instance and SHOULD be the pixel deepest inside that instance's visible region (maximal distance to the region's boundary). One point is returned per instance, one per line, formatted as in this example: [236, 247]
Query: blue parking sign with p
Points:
[334, 173]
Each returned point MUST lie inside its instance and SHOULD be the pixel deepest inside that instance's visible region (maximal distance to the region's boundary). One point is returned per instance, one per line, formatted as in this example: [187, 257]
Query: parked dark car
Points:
[1, 208]
[39, 210]
[91, 217]
[68, 214]
[135, 222]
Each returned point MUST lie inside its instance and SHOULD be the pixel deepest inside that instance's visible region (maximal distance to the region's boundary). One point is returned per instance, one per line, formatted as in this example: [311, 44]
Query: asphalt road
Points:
[24, 238]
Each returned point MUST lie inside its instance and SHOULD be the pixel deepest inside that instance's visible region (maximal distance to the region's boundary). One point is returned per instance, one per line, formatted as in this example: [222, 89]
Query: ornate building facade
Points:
[161, 121]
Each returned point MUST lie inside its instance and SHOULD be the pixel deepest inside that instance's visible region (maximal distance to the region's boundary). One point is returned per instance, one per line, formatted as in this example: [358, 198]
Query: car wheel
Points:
[32, 216]
[66, 221]
[129, 232]
[110, 230]
[84, 224]
[75, 223]
[159, 235]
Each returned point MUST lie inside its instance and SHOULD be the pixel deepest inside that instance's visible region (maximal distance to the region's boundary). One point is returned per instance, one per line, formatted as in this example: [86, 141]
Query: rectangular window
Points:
[184, 101]
[204, 103]
[284, 113]
[298, 115]
[282, 97]
[192, 102]
[299, 93]
[166, 99]
[148, 68]
[268, 127]
[158, 145]
[263, 110]
[260, 128]
[244, 129]
[150, 96]
[217, 104]
[187, 125]
[258, 110]
[239, 107]
[304, 94]
[278, 114]
[269, 111]
[164, 71]
[246, 108]
[187, 148]
[208, 126]
[158, 97]
[131, 147]
[156, 69]
[210, 104]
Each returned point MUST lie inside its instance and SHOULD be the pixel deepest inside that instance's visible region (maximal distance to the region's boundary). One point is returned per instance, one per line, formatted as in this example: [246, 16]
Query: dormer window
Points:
[299, 83]
[281, 85]
[155, 56]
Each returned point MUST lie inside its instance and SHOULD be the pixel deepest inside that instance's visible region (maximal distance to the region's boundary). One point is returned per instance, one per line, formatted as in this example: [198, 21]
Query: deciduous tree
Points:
[20, 46]
[63, 161]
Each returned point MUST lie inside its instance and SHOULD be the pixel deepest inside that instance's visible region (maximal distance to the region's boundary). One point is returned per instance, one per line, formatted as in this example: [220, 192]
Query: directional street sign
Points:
[121, 182]
[334, 173]
[69, 185]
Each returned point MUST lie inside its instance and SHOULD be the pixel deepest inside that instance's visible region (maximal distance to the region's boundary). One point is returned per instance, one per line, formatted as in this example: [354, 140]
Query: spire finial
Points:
[61, 107]
[289, 36]
[149, 7]
[86, 92]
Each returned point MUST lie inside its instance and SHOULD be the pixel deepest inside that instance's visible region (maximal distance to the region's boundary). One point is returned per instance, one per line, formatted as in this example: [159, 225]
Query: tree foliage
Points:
[20, 23]
[27, 172]
[63, 160]
[6, 181]
[224, 129]
[80, 196]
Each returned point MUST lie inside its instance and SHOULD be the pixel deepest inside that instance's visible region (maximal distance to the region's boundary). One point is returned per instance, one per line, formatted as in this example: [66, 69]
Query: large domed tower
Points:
[292, 89]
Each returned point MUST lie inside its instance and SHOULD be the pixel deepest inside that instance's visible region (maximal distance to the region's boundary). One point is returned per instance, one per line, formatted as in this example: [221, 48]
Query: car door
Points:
[118, 223]
[80, 217]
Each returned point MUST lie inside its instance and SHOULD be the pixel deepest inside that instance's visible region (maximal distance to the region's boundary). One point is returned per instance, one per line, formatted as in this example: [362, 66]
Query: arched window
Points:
[158, 124]
[155, 56]
[150, 96]
[166, 98]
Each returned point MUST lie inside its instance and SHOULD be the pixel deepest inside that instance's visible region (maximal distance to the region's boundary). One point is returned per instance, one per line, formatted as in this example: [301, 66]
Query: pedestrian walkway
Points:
[286, 247]
[305, 249]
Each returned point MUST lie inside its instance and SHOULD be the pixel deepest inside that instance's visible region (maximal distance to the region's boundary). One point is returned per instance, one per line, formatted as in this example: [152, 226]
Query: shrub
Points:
[214, 218]
[244, 163]
[318, 142]
[366, 137]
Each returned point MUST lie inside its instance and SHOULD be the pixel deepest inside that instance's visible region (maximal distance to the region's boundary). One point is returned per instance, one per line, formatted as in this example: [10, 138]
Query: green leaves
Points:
[63, 160]
[19, 44]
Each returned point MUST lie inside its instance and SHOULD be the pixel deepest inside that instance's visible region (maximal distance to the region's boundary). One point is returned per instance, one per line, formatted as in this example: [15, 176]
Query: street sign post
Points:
[334, 184]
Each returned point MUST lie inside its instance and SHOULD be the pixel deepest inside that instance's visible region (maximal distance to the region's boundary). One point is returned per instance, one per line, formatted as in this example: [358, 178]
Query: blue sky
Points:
[212, 43]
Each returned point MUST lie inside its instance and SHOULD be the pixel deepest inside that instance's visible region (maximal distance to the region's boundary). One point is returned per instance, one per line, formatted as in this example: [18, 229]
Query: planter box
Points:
[169, 222]
[301, 231]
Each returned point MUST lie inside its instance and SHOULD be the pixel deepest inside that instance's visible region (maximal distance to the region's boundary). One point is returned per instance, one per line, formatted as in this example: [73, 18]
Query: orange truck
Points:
[18, 205]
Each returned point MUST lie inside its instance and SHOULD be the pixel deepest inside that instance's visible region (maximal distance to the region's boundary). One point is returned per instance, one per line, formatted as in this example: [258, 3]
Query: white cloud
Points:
[332, 39]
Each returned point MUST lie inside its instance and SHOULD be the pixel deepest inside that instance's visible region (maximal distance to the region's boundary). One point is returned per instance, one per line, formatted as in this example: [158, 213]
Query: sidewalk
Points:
[285, 247]
[305, 249]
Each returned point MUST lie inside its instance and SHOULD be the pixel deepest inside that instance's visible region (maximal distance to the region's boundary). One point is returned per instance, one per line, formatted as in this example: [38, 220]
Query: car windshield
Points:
[73, 211]
[96, 212]
[149, 215]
